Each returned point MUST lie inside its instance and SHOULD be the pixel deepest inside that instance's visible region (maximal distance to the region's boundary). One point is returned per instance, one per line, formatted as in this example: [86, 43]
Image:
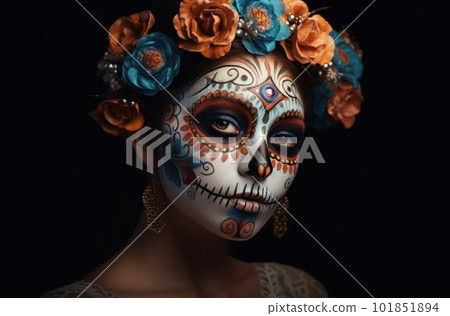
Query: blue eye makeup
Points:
[223, 117]
[285, 137]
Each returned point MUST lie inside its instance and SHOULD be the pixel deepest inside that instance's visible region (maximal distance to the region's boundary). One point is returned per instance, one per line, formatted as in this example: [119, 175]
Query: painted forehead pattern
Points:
[257, 79]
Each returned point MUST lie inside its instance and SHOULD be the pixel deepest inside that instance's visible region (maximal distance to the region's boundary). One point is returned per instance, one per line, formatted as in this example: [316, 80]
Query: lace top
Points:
[275, 280]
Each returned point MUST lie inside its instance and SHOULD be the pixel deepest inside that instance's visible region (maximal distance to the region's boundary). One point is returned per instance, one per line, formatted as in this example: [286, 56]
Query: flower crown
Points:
[146, 62]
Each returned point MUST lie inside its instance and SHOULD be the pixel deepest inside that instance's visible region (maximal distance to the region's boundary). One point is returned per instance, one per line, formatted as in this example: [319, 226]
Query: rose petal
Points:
[187, 7]
[323, 24]
[303, 31]
[193, 47]
[215, 52]
[110, 129]
[311, 42]
[135, 124]
[348, 121]
[197, 34]
[113, 113]
[178, 24]
[225, 38]
[287, 45]
[350, 110]
[345, 103]
[148, 20]
[202, 25]
[296, 7]
[126, 31]
[326, 55]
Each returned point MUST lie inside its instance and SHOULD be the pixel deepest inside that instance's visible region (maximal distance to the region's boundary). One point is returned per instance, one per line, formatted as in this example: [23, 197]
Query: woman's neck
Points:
[186, 238]
[183, 260]
[192, 255]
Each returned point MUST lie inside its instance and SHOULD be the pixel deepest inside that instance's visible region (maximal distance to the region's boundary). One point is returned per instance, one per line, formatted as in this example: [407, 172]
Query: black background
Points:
[378, 205]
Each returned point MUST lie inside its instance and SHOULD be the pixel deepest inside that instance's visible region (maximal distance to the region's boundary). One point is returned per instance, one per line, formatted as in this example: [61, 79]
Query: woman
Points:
[231, 94]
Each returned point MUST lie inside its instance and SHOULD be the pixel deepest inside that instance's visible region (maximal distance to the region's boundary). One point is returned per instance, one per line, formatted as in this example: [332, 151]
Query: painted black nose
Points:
[260, 165]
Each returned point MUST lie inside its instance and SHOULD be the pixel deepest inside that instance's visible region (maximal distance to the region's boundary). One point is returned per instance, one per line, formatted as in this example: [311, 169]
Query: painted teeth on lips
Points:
[265, 198]
[246, 205]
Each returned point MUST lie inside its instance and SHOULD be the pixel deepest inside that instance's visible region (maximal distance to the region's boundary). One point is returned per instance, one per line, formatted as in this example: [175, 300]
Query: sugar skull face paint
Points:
[246, 110]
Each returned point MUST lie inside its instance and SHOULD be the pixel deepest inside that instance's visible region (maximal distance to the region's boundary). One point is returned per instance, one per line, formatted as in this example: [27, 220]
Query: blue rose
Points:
[346, 60]
[153, 64]
[262, 24]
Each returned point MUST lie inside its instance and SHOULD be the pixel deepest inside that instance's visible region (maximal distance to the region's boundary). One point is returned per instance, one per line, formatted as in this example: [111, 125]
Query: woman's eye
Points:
[288, 141]
[225, 126]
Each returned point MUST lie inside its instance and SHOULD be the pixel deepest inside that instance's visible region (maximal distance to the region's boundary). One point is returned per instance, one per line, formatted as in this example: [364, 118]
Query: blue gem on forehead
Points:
[269, 92]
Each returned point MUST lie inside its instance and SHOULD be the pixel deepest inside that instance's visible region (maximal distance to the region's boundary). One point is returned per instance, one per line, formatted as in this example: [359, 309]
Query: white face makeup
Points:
[246, 108]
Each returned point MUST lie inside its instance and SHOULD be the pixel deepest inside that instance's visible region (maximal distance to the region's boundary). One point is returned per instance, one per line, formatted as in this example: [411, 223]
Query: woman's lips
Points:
[251, 202]
[246, 205]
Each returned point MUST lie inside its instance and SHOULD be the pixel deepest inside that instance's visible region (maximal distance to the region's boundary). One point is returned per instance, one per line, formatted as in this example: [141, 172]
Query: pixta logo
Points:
[147, 140]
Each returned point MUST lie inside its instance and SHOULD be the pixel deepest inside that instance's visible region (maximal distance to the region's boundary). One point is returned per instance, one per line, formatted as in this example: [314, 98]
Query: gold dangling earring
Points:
[279, 218]
[154, 204]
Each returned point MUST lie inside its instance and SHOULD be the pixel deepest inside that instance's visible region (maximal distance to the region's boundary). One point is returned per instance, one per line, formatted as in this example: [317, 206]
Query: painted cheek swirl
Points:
[237, 229]
[247, 229]
[229, 227]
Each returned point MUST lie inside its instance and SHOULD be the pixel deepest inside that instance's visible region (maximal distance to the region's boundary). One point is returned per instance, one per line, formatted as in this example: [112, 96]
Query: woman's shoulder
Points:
[275, 280]
[279, 280]
[74, 289]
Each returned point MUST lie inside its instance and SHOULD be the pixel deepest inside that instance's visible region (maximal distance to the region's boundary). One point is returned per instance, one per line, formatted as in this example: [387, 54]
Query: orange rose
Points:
[118, 118]
[128, 30]
[206, 26]
[345, 103]
[297, 8]
[310, 42]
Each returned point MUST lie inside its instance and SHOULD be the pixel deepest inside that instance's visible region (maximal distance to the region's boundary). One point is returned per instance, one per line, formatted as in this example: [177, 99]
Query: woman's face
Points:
[240, 138]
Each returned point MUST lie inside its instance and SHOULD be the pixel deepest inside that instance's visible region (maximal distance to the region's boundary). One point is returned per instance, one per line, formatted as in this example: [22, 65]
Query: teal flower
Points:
[347, 61]
[259, 24]
[152, 65]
